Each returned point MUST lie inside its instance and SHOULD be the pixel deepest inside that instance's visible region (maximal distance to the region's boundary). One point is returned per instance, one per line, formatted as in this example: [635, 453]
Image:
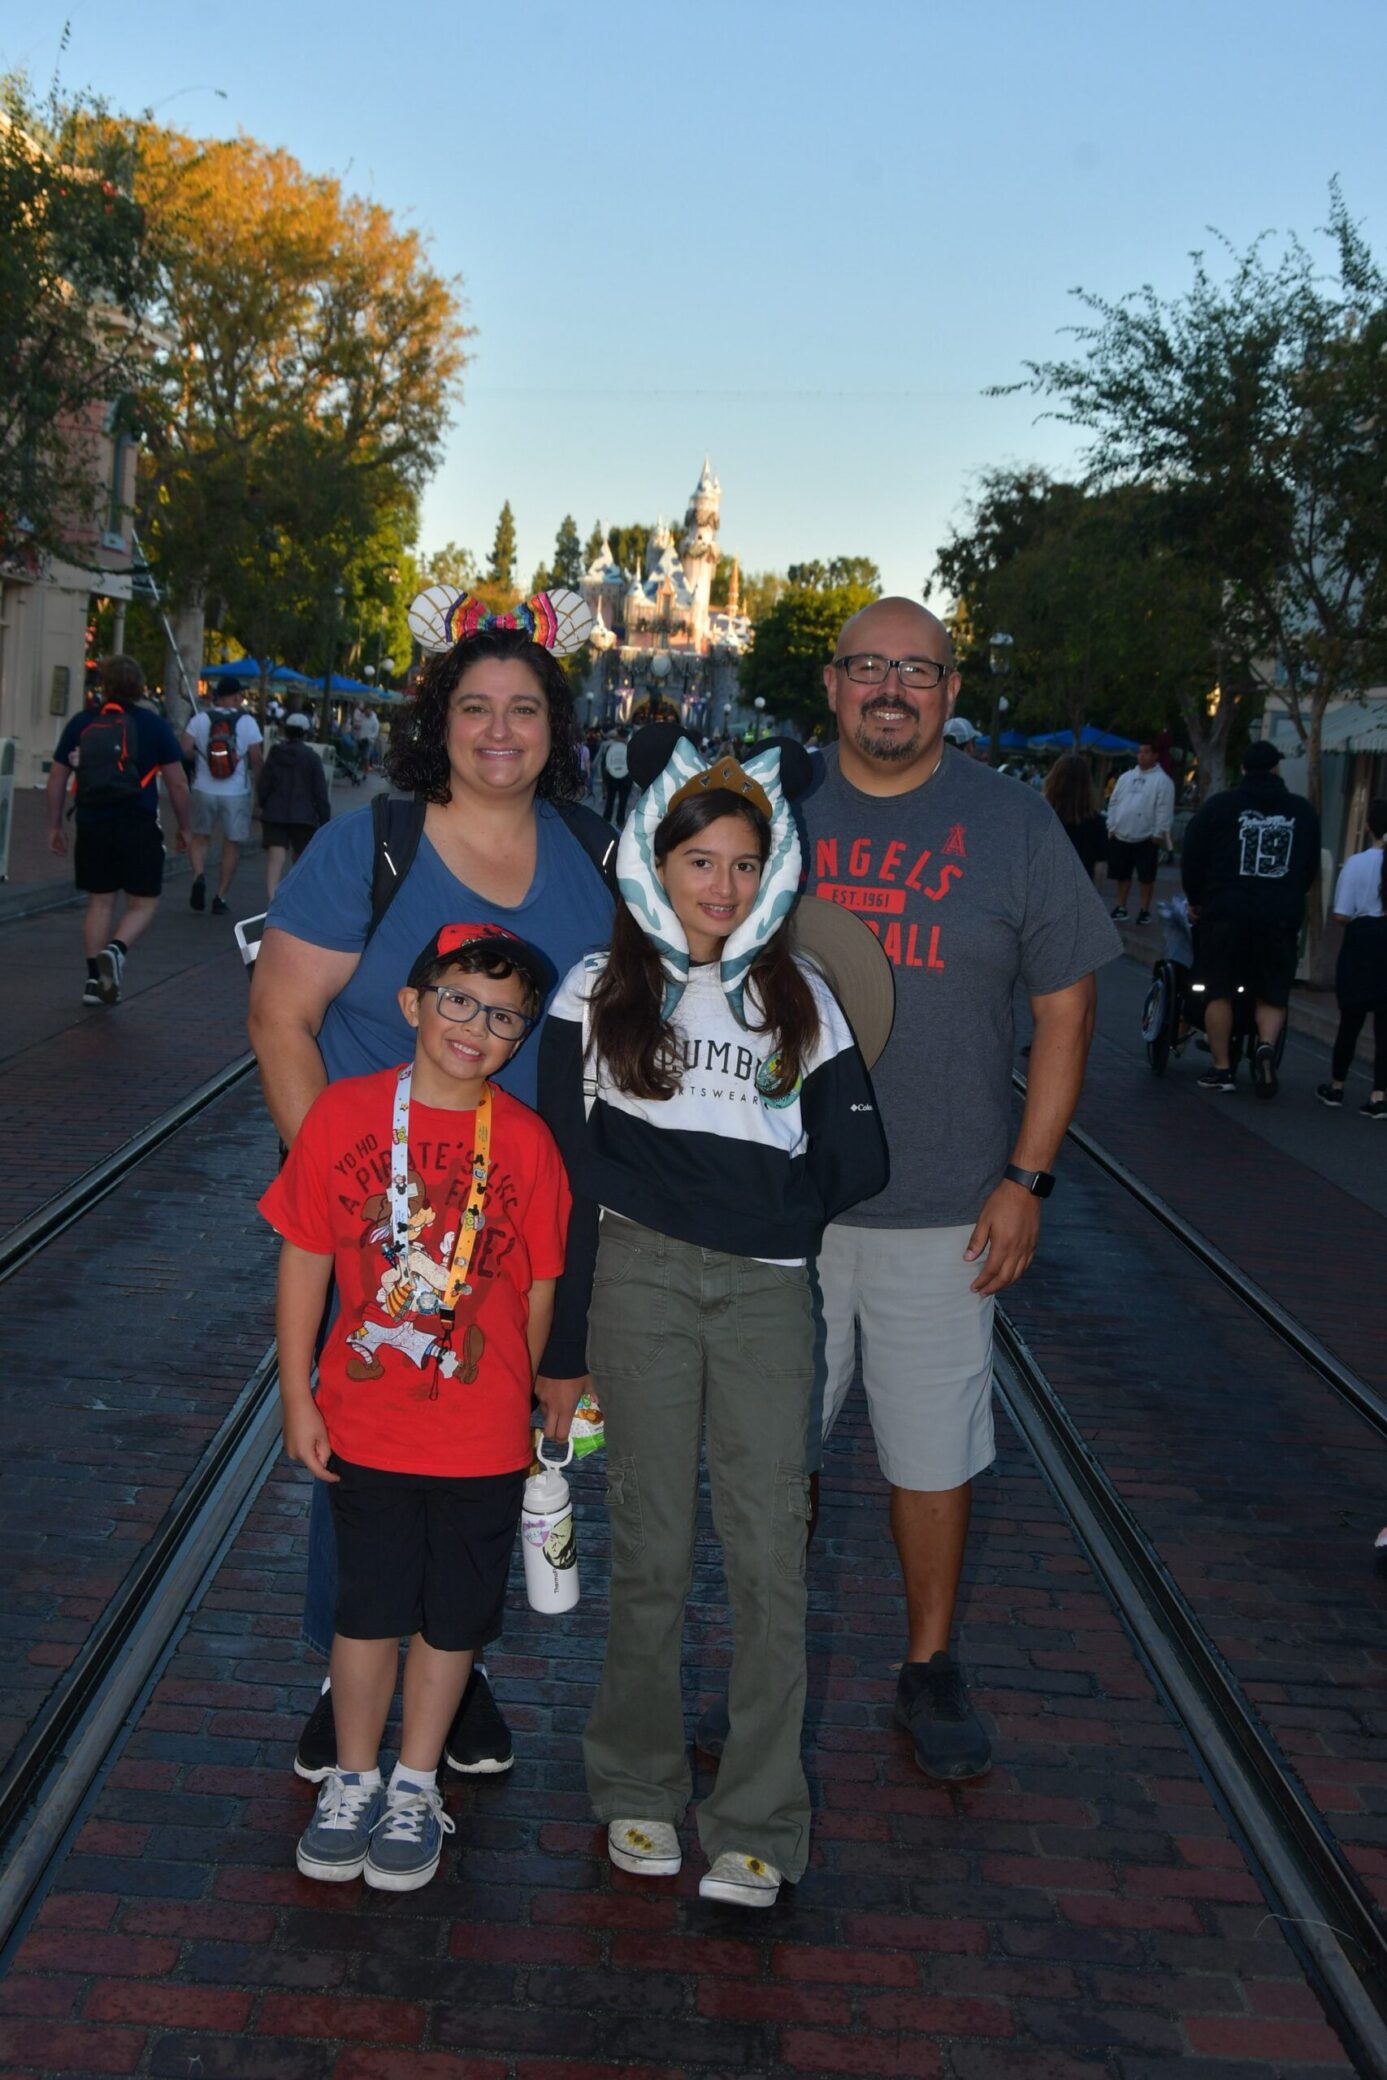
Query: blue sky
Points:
[800, 236]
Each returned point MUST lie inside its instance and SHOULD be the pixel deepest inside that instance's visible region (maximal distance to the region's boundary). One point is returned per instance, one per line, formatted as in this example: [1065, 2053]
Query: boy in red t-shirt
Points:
[440, 1205]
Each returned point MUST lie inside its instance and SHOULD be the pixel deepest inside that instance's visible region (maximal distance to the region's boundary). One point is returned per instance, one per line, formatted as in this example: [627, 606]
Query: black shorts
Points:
[293, 836]
[120, 854]
[1262, 957]
[425, 1553]
[1132, 860]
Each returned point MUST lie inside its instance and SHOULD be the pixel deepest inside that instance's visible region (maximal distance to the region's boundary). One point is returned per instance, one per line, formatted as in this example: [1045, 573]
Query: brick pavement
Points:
[1315, 1247]
[1261, 1488]
[1082, 1913]
[122, 1346]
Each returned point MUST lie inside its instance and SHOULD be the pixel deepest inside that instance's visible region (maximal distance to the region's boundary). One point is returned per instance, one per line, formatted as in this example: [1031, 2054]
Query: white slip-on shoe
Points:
[741, 1881]
[646, 1848]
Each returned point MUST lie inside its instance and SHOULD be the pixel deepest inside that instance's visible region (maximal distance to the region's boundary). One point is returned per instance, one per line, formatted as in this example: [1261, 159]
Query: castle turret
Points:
[698, 551]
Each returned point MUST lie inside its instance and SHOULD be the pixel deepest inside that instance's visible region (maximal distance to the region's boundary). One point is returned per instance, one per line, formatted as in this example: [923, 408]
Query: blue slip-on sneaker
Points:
[333, 1846]
[407, 1841]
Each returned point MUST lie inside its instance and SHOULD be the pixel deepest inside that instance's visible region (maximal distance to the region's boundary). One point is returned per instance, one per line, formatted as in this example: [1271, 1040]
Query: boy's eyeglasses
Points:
[456, 1006]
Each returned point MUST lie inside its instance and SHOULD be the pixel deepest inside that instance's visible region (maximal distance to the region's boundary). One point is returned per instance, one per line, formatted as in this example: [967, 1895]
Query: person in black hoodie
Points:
[293, 797]
[1249, 860]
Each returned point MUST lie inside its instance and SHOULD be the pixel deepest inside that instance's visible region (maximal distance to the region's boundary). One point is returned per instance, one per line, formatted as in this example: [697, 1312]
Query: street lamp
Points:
[760, 706]
[999, 650]
[339, 593]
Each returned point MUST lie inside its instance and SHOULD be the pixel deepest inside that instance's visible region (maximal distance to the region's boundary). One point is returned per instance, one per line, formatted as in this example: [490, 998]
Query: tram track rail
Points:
[1363, 1399]
[23, 1242]
[62, 1753]
[1316, 1896]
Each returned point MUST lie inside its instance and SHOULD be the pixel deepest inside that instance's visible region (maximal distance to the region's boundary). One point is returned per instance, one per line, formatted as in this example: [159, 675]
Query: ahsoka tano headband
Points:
[645, 897]
[559, 620]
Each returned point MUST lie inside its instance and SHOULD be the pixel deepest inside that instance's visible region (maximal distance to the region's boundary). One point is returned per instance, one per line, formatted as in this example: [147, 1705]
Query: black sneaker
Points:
[197, 894]
[1264, 1079]
[1330, 1094]
[1374, 1108]
[91, 992]
[220, 906]
[932, 1705]
[317, 1750]
[1143, 917]
[479, 1742]
[1218, 1080]
[1119, 915]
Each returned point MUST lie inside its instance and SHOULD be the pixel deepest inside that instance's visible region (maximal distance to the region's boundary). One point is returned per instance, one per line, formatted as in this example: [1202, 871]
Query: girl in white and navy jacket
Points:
[713, 1111]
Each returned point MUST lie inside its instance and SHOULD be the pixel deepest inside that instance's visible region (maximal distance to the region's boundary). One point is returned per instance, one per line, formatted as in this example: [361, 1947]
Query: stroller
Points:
[1174, 1007]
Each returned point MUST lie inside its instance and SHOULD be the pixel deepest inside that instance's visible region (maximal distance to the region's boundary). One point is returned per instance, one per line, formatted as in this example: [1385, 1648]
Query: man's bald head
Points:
[923, 633]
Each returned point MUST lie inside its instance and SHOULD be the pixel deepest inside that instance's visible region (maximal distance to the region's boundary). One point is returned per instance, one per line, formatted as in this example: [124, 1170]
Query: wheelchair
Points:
[1174, 1012]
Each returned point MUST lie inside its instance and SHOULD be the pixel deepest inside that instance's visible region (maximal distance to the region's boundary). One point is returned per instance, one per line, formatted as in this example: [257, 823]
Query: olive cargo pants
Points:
[678, 1335]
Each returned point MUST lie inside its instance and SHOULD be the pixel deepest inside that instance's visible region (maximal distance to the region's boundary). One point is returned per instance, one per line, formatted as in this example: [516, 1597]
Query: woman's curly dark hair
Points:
[417, 761]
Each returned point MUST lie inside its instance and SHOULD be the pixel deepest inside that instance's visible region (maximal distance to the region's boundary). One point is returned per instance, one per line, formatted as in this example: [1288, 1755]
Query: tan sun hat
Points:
[852, 961]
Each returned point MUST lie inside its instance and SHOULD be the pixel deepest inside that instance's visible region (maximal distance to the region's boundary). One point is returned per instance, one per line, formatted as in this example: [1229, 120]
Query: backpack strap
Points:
[595, 835]
[397, 825]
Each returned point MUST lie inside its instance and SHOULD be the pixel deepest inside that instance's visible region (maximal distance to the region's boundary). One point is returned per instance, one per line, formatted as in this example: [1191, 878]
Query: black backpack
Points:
[397, 824]
[108, 770]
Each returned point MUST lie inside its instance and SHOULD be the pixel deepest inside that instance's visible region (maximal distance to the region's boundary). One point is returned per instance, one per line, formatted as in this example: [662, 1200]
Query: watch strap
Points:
[1039, 1183]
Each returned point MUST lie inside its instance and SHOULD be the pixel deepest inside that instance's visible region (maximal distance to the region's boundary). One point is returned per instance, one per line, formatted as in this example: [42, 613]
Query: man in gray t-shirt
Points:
[972, 886]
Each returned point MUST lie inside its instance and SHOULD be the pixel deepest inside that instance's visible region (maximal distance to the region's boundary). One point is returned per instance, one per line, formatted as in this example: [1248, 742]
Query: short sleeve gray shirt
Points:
[972, 886]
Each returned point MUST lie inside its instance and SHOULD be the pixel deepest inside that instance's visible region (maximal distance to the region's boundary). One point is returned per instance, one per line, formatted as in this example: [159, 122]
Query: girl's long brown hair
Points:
[637, 1046]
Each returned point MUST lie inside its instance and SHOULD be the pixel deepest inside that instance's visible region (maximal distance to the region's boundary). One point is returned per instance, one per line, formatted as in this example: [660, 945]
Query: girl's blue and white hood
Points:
[644, 895]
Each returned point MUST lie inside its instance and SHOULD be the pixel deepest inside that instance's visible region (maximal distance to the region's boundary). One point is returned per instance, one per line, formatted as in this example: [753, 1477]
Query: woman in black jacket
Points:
[293, 798]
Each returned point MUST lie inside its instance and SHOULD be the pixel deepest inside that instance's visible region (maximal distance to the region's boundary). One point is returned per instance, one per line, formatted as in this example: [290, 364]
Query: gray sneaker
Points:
[932, 1705]
[407, 1841]
[334, 1844]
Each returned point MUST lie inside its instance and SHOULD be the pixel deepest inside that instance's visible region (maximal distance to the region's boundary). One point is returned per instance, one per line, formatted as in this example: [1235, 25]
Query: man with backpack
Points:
[116, 750]
[225, 741]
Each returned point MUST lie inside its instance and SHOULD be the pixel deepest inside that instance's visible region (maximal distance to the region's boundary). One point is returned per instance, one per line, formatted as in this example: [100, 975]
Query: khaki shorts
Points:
[231, 811]
[926, 1349]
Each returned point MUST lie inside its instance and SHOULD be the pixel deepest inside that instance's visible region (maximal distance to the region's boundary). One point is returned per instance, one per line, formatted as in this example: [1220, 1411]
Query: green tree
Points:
[311, 364]
[760, 591]
[1256, 402]
[451, 565]
[630, 546]
[568, 566]
[78, 278]
[1108, 625]
[500, 569]
[793, 641]
[839, 571]
[592, 548]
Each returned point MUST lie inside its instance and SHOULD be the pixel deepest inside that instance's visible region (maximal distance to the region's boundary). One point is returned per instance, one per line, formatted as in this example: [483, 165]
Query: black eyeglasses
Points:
[460, 1010]
[865, 668]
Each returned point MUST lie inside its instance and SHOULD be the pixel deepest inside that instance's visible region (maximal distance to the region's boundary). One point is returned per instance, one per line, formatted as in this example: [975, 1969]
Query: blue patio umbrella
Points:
[1091, 738]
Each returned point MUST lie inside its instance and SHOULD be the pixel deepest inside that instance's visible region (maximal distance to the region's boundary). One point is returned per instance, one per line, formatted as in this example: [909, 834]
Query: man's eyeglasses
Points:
[922, 674]
[460, 1010]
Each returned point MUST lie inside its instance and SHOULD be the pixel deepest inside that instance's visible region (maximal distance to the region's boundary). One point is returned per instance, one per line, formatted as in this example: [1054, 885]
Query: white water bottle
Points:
[546, 1531]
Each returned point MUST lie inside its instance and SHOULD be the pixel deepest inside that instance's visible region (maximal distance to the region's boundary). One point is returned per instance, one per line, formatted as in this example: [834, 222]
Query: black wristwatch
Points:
[1039, 1183]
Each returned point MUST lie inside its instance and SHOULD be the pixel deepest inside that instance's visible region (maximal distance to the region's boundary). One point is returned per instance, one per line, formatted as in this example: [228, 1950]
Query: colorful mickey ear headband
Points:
[558, 621]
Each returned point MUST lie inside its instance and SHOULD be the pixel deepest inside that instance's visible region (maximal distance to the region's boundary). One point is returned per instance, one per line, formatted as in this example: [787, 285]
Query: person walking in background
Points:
[294, 802]
[1069, 791]
[1141, 810]
[1360, 981]
[616, 779]
[225, 742]
[118, 751]
[1249, 859]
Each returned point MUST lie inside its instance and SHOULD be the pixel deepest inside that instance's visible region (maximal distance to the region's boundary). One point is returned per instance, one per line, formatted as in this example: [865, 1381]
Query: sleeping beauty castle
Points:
[658, 642]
